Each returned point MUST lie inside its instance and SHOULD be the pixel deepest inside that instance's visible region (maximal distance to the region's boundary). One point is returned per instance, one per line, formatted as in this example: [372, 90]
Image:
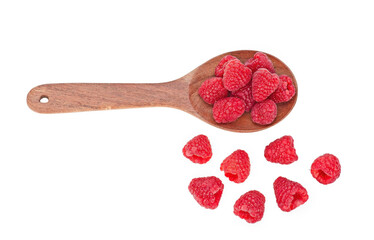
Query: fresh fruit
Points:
[254, 82]
[245, 93]
[236, 75]
[281, 151]
[289, 194]
[264, 113]
[207, 191]
[212, 90]
[326, 169]
[228, 109]
[259, 60]
[222, 64]
[198, 149]
[250, 206]
[285, 91]
[264, 84]
[236, 166]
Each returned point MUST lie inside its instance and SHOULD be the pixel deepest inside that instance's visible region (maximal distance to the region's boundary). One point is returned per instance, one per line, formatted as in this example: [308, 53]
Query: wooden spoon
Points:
[181, 94]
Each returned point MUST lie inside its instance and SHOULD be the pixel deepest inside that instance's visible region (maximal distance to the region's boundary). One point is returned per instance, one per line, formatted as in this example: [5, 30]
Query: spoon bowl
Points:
[181, 93]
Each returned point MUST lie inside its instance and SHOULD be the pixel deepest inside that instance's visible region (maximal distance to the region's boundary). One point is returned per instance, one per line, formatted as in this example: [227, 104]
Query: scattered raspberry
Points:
[326, 169]
[236, 166]
[250, 206]
[260, 60]
[198, 149]
[245, 93]
[285, 91]
[289, 194]
[264, 84]
[207, 191]
[228, 109]
[264, 113]
[281, 151]
[212, 90]
[222, 64]
[236, 75]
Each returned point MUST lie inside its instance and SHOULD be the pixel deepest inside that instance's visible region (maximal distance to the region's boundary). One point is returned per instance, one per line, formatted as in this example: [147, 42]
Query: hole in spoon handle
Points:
[44, 99]
[78, 97]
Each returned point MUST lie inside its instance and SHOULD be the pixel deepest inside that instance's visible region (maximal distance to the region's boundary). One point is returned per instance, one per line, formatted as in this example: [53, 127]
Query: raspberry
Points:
[326, 169]
[207, 191]
[228, 109]
[285, 91]
[236, 166]
[264, 113]
[222, 64]
[236, 75]
[245, 93]
[250, 206]
[289, 194]
[281, 151]
[264, 84]
[260, 60]
[212, 90]
[198, 149]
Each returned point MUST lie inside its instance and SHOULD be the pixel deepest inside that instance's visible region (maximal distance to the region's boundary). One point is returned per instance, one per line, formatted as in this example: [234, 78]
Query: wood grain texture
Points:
[78, 97]
[181, 94]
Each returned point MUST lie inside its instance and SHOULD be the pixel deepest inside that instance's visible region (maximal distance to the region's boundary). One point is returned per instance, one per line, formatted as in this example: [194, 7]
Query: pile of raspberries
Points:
[250, 87]
[207, 191]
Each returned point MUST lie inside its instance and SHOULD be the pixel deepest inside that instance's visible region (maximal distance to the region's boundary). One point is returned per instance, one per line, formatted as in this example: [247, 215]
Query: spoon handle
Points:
[79, 97]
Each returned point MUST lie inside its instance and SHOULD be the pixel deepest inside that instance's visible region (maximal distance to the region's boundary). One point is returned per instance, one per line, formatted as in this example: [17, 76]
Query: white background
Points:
[121, 174]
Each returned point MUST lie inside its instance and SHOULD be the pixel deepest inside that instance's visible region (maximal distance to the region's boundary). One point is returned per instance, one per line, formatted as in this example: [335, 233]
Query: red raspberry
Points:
[236, 75]
[228, 109]
[264, 113]
[260, 60]
[207, 191]
[250, 206]
[326, 169]
[222, 64]
[198, 149]
[289, 194]
[236, 166]
[281, 151]
[245, 93]
[264, 84]
[212, 90]
[285, 91]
